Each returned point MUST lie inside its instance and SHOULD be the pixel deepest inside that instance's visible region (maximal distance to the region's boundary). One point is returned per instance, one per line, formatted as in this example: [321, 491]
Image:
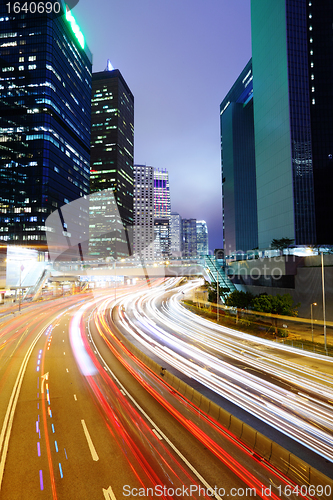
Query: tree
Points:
[239, 299]
[212, 292]
[275, 304]
[281, 244]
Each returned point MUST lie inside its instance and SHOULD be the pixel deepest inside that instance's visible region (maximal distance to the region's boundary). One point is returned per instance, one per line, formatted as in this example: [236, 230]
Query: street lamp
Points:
[323, 287]
[217, 296]
[313, 304]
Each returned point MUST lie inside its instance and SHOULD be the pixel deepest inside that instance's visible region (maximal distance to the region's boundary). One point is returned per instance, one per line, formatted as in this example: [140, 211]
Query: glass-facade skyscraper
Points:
[292, 52]
[290, 137]
[202, 238]
[189, 238]
[239, 195]
[176, 235]
[45, 102]
[162, 212]
[112, 150]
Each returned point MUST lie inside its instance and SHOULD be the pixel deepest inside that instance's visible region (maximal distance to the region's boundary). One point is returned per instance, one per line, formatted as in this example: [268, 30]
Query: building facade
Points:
[162, 212]
[292, 50]
[239, 194]
[112, 150]
[189, 238]
[176, 235]
[143, 230]
[202, 238]
[45, 102]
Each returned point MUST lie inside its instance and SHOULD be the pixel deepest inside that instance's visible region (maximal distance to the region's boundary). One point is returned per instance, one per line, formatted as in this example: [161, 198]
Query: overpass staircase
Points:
[217, 273]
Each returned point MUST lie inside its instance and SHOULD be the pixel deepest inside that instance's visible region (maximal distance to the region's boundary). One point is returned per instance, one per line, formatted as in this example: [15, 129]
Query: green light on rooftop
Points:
[75, 27]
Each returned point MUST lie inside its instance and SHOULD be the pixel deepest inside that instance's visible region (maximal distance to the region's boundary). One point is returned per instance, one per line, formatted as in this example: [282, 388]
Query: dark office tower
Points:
[112, 138]
[239, 194]
[45, 99]
[292, 53]
[189, 238]
[319, 17]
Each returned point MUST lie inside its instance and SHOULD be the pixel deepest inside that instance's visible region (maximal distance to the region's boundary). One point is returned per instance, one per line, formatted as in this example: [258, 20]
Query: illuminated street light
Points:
[323, 287]
[313, 304]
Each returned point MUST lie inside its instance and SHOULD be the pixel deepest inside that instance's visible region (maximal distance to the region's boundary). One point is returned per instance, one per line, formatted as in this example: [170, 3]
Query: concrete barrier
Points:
[280, 458]
[293, 467]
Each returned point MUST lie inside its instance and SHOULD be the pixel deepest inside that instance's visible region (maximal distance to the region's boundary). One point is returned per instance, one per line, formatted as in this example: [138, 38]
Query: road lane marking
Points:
[44, 377]
[157, 435]
[90, 443]
[108, 494]
[9, 416]
[75, 397]
[123, 392]
[67, 370]
[41, 480]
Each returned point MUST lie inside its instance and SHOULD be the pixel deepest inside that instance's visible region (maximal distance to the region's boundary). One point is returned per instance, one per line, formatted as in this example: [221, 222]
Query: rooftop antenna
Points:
[109, 66]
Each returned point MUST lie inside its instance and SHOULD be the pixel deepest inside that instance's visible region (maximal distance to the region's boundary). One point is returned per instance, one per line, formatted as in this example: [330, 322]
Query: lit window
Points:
[32, 66]
[310, 28]
[312, 77]
[32, 58]
[311, 52]
[313, 101]
[310, 16]
[311, 40]
[21, 68]
[313, 89]
[312, 65]
[21, 59]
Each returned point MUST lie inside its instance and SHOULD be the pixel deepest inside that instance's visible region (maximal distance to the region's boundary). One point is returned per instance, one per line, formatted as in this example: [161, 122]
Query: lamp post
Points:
[323, 287]
[217, 296]
[115, 280]
[313, 304]
[20, 290]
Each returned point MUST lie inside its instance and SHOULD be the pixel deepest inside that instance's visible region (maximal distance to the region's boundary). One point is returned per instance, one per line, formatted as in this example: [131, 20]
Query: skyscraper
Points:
[112, 146]
[202, 238]
[239, 195]
[45, 100]
[176, 235]
[162, 201]
[143, 231]
[292, 50]
[189, 238]
[162, 211]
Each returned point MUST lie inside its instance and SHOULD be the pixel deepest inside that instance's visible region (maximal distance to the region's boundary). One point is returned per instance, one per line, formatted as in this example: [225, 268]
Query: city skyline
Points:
[170, 78]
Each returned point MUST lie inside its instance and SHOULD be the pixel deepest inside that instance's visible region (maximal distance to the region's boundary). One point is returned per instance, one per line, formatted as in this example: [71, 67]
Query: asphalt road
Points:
[70, 430]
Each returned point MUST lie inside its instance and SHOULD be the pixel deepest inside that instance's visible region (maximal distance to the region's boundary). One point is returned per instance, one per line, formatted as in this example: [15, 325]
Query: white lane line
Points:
[157, 435]
[9, 416]
[108, 494]
[90, 443]
[64, 353]
[75, 397]
[123, 392]
[67, 370]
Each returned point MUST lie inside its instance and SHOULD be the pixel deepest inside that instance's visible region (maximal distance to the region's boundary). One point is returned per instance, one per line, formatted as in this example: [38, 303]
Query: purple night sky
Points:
[179, 58]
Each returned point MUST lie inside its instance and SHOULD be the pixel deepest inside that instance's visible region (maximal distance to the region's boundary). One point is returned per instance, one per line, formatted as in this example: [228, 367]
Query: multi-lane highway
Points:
[82, 418]
[289, 389]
